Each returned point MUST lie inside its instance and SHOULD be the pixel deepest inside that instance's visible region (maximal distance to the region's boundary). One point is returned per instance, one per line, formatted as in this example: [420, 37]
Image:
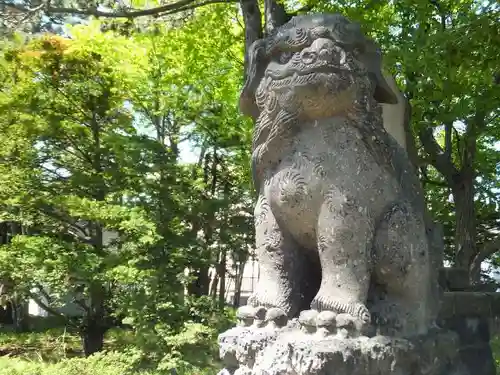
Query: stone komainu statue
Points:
[340, 218]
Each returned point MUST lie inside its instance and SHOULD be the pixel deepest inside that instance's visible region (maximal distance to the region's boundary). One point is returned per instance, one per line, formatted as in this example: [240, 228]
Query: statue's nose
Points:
[323, 49]
[322, 43]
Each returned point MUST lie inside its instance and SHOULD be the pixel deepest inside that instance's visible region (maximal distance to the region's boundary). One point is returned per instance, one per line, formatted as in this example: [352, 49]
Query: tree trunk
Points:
[93, 337]
[222, 275]
[97, 321]
[19, 316]
[275, 15]
[465, 229]
[215, 286]
[200, 286]
[7, 314]
[253, 25]
[238, 280]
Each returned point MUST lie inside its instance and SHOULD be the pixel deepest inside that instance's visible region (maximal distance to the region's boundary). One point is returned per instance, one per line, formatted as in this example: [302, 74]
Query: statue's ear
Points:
[248, 106]
[372, 59]
[383, 93]
[256, 66]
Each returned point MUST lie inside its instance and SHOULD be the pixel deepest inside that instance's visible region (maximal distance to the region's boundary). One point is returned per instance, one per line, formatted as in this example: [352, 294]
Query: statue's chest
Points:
[322, 161]
[289, 188]
[294, 200]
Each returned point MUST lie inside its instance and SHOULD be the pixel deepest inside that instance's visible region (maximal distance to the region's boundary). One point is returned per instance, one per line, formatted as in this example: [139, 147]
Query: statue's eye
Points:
[285, 57]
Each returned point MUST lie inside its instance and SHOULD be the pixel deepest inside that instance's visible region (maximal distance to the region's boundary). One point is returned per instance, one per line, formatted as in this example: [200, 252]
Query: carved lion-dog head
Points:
[317, 65]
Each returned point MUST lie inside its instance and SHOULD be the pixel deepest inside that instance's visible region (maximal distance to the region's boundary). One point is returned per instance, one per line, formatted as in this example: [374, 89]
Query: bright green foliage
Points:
[178, 97]
[94, 128]
[66, 129]
[56, 352]
[100, 364]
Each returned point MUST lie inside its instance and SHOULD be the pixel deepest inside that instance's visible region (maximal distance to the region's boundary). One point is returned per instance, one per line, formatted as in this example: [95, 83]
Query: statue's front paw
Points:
[271, 300]
[276, 318]
[347, 326]
[356, 309]
[308, 321]
[363, 313]
[329, 323]
[251, 316]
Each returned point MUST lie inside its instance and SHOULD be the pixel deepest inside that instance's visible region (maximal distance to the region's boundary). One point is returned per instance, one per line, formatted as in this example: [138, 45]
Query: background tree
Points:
[96, 149]
[64, 167]
[96, 121]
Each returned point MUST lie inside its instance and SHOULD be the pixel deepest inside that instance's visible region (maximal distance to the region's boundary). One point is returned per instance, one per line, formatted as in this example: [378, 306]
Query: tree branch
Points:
[435, 183]
[80, 303]
[437, 155]
[457, 137]
[64, 218]
[448, 128]
[49, 309]
[486, 251]
[175, 7]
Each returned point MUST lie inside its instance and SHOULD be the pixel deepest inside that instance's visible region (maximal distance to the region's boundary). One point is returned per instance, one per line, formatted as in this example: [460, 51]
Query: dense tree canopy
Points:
[91, 168]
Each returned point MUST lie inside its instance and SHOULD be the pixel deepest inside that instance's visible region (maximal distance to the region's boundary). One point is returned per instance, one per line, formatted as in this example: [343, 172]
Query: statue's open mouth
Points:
[296, 80]
[302, 70]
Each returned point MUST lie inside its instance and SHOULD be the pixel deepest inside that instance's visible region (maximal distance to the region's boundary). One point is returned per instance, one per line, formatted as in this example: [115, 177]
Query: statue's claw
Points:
[355, 309]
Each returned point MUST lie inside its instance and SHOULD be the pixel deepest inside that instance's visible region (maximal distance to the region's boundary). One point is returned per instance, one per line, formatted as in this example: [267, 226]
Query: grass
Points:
[95, 365]
[49, 346]
[54, 344]
[58, 351]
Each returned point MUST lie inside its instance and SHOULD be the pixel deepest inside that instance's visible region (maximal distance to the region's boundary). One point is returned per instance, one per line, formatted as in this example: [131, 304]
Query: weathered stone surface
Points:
[246, 315]
[474, 342]
[469, 304]
[393, 115]
[340, 218]
[478, 359]
[276, 318]
[454, 279]
[307, 320]
[292, 352]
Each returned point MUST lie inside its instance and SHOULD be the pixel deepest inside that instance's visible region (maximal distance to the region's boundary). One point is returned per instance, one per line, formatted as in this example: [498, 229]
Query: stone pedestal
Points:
[295, 350]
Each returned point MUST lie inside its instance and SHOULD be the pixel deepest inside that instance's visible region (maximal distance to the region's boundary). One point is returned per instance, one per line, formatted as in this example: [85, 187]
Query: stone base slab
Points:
[290, 351]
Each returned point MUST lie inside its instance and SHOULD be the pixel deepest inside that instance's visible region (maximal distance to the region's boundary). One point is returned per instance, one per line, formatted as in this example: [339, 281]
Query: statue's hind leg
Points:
[344, 234]
[280, 264]
[403, 270]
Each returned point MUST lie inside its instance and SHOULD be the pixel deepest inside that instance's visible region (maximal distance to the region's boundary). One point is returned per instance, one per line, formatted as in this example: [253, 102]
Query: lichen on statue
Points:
[340, 212]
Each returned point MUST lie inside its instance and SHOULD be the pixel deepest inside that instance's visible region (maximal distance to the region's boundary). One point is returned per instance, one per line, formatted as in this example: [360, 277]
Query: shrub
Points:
[112, 363]
[100, 364]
